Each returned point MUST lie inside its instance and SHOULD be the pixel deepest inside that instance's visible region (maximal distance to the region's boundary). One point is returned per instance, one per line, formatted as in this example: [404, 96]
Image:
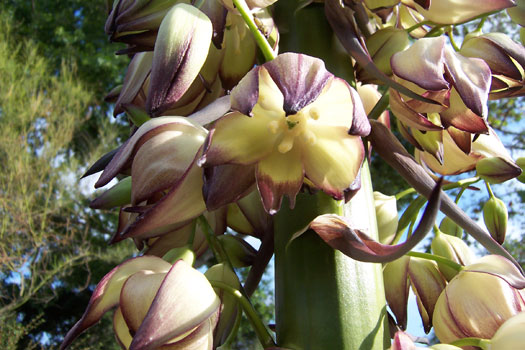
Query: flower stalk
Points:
[264, 45]
[316, 286]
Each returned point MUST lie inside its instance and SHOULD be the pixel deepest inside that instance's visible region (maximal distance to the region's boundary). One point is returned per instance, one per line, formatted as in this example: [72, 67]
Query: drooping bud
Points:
[386, 214]
[449, 227]
[479, 299]
[241, 253]
[452, 248]
[427, 284]
[495, 215]
[395, 279]
[222, 273]
[497, 169]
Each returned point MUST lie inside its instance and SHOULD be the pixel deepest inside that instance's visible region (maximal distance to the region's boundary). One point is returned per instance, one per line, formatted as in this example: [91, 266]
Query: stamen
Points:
[309, 137]
[286, 144]
[314, 113]
[273, 126]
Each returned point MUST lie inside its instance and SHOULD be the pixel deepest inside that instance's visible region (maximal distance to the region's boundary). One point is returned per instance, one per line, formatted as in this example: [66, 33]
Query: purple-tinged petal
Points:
[395, 277]
[184, 301]
[217, 15]
[246, 94]
[334, 106]
[107, 292]
[224, 184]
[461, 139]
[121, 160]
[163, 159]
[138, 70]
[428, 69]
[499, 51]
[360, 124]
[239, 139]
[101, 163]
[277, 175]
[427, 284]
[300, 78]
[333, 161]
[408, 116]
[461, 117]
[252, 208]
[182, 203]
[339, 234]
[211, 112]
[499, 266]
[180, 51]
[471, 77]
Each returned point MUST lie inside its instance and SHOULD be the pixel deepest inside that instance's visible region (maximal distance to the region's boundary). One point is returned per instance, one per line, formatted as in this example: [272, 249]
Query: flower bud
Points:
[427, 284]
[495, 215]
[506, 59]
[452, 248]
[510, 335]
[229, 305]
[141, 289]
[180, 51]
[395, 279]
[381, 46]
[240, 252]
[479, 299]
[386, 214]
[449, 227]
[497, 169]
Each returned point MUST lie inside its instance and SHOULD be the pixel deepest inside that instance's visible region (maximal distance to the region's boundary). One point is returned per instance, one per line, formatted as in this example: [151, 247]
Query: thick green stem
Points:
[324, 299]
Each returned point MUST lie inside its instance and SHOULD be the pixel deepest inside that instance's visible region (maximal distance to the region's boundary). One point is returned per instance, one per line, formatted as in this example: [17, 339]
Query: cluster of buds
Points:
[289, 125]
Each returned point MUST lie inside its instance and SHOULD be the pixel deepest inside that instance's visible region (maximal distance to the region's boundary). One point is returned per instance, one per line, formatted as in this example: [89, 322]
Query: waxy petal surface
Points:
[153, 127]
[184, 301]
[458, 11]
[180, 51]
[333, 161]
[107, 293]
[427, 70]
[277, 175]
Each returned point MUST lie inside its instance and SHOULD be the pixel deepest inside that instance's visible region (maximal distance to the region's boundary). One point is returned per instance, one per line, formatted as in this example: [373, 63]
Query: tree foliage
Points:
[48, 239]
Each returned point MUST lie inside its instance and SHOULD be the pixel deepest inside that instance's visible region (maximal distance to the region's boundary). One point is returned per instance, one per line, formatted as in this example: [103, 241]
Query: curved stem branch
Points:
[263, 44]
[260, 329]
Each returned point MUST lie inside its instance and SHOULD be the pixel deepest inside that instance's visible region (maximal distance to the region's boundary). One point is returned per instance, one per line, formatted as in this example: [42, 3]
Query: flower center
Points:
[293, 126]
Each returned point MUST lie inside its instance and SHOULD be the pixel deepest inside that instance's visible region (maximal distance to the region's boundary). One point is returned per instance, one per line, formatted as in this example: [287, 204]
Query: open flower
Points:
[293, 120]
[157, 304]
[458, 83]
